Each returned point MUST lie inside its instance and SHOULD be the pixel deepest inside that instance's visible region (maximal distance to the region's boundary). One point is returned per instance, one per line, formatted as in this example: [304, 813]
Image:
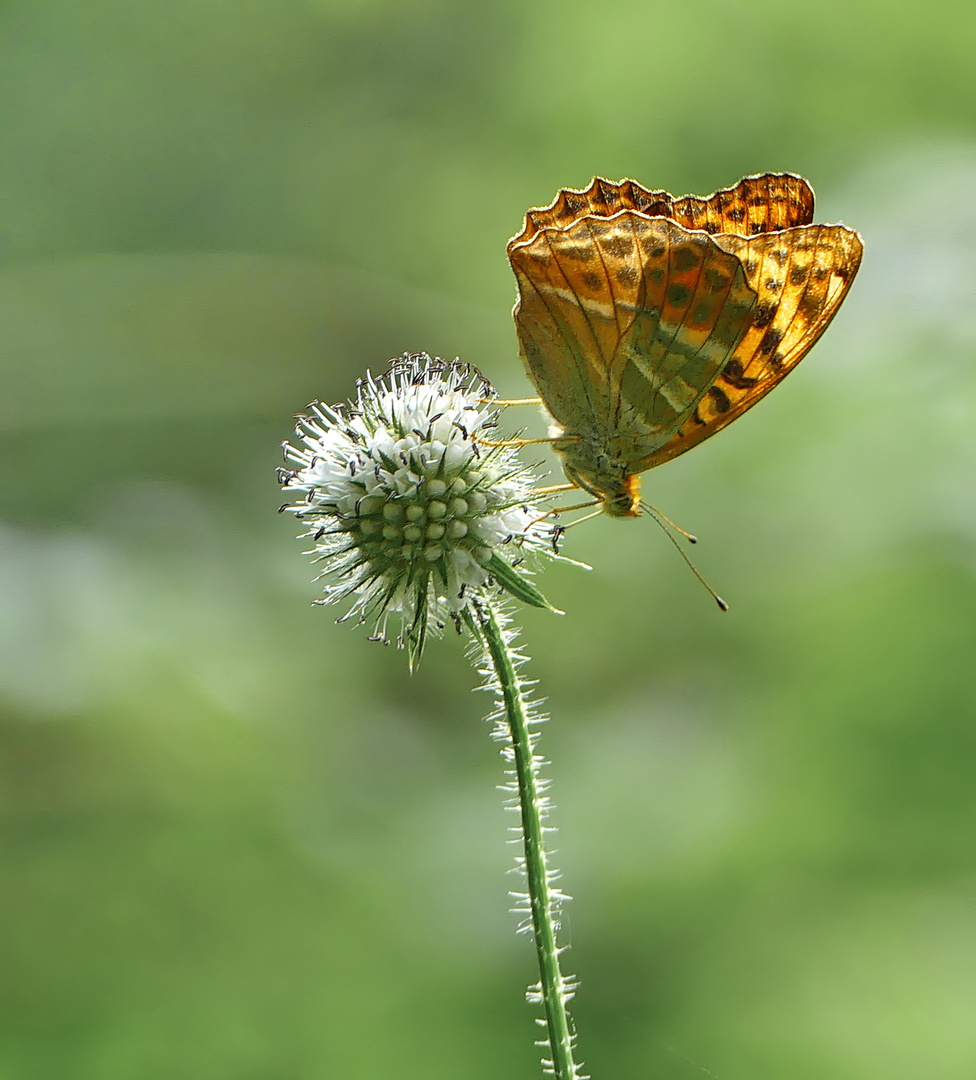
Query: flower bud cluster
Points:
[429, 523]
[410, 507]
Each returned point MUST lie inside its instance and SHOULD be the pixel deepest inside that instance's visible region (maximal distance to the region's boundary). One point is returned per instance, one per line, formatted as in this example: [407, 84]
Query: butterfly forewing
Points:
[800, 277]
[695, 307]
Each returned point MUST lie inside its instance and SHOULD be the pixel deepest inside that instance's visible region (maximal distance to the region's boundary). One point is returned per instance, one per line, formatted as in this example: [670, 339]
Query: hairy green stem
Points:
[554, 991]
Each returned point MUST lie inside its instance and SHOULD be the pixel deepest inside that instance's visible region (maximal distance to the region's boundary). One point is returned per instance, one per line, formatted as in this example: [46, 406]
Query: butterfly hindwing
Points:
[756, 204]
[561, 343]
[602, 198]
[626, 321]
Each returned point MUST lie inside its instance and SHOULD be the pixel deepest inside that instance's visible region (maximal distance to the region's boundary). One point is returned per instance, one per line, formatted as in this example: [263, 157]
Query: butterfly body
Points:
[648, 322]
[597, 466]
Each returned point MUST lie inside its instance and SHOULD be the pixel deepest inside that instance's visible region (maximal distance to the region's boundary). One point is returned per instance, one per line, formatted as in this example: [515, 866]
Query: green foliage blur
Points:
[238, 842]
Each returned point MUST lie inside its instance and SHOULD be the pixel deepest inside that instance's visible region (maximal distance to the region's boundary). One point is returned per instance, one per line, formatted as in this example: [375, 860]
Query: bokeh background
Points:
[238, 842]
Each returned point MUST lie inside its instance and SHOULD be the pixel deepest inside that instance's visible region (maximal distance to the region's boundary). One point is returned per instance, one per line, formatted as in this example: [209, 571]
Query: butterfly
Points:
[648, 322]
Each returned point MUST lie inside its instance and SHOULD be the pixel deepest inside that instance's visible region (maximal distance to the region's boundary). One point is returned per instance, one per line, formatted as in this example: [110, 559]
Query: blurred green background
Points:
[238, 842]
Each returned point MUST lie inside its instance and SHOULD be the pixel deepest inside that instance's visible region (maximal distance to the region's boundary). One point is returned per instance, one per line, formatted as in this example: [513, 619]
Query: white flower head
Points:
[412, 510]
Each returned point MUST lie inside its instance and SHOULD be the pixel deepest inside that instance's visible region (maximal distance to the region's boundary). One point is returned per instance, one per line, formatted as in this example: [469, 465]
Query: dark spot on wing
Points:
[618, 245]
[686, 256]
[716, 280]
[809, 307]
[578, 252]
[734, 376]
[652, 246]
[770, 340]
[720, 399]
[678, 295]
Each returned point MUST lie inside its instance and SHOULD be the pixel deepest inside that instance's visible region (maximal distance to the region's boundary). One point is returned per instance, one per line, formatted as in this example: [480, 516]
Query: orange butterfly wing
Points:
[756, 204]
[800, 277]
[649, 322]
[624, 323]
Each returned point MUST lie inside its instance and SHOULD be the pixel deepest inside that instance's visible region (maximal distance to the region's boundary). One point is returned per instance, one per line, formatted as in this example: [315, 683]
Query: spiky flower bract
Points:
[413, 508]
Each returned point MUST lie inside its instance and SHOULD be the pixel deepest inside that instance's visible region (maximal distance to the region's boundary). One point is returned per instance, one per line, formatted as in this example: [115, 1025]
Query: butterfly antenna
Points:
[690, 537]
[661, 519]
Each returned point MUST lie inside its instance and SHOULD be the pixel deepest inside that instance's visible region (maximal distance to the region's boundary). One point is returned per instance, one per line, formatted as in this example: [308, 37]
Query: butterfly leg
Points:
[579, 521]
[510, 401]
[576, 506]
[559, 531]
[527, 442]
[566, 509]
